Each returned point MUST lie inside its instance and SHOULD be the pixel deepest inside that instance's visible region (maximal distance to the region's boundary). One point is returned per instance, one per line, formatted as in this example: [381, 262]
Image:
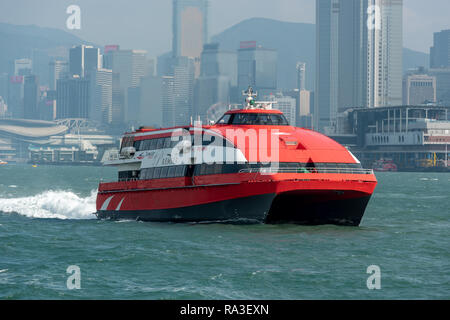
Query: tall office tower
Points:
[118, 101]
[41, 60]
[131, 65]
[101, 88]
[184, 77]
[76, 61]
[440, 51]
[217, 81]
[108, 52]
[419, 89]
[15, 96]
[57, 70]
[72, 98]
[341, 55]
[190, 28]
[257, 67]
[151, 110]
[4, 79]
[285, 104]
[31, 97]
[167, 101]
[385, 47]
[23, 67]
[92, 60]
[83, 59]
[3, 107]
[301, 75]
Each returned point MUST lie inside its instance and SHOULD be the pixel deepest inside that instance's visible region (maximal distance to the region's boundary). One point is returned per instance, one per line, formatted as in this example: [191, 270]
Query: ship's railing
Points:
[274, 170]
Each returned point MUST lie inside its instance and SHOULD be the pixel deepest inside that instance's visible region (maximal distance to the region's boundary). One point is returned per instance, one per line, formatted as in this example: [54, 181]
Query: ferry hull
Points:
[305, 207]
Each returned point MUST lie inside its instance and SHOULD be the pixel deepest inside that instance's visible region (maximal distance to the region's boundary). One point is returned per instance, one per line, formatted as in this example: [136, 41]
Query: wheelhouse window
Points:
[263, 119]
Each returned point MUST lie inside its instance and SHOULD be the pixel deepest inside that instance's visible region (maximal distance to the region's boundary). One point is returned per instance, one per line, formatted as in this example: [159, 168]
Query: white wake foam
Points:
[52, 205]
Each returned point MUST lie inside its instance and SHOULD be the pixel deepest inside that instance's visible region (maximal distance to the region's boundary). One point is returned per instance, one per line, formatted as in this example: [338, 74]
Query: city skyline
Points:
[101, 24]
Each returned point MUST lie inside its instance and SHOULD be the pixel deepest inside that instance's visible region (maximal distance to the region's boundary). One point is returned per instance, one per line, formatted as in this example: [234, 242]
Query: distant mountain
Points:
[294, 42]
[19, 41]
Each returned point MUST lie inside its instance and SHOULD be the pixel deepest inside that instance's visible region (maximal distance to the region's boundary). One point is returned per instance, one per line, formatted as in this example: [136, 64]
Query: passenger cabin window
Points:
[263, 119]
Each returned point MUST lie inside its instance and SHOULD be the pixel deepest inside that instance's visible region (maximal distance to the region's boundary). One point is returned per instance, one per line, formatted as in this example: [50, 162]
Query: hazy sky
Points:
[147, 24]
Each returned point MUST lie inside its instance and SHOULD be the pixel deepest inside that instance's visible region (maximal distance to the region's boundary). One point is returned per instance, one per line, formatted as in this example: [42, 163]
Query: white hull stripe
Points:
[120, 204]
[106, 203]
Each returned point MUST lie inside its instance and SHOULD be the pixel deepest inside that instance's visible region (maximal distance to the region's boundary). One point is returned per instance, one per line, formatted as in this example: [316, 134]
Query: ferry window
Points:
[180, 171]
[157, 173]
[172, 172]
[159, 143]
[259, 119]
[166, 143]
[164, 171]
[225, 119]
[137, 145]
[149, 174]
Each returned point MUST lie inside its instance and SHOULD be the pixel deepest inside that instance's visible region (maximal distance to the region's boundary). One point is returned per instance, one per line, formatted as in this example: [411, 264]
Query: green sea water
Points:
[47, 225]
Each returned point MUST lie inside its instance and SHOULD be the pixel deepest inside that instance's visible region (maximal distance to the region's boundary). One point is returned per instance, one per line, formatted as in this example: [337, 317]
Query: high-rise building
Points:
[23, 67]
[285, 104]
[101, 88]
[385, 47]
[359, 56]
[84, 59]
[442, 76]
[184, 76]
[73, 98]
[440, 51]
[132, 67]
[15, 96]
[57, 70]
[190, 27]
[257, 67]
[419, 89]
[167, 101]
[301, 75]
[31, 97]
[151, 111]
[341, 54]
[217, 81]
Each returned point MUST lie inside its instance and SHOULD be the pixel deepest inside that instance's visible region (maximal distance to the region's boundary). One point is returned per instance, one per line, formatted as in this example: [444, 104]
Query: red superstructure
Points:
[249, 166]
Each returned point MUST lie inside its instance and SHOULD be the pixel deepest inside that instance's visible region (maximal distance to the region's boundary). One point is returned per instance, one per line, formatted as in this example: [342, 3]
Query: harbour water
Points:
[47, 225]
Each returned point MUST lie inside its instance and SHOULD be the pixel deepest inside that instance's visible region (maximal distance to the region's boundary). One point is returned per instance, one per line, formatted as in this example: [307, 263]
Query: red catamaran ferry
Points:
[250, 166]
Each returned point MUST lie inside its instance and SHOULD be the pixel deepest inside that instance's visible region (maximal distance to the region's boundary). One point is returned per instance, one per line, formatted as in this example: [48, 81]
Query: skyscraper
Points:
[217, 81]
[419, 89]
[72, 98]
[57, 70]
[83, 59]
[190, 27]
[359, 56]
[341, 53]
[31, 97]
[101, 87]
[131, 65]
[23, 67]
[385, 47]
[257, 67]
[301, 75]
[440, 51]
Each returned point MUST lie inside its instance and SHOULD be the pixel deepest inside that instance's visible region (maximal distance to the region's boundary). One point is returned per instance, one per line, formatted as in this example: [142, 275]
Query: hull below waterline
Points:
[268, 208]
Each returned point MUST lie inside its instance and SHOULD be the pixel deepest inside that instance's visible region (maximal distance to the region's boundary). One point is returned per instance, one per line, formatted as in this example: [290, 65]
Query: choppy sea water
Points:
[46, 225]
